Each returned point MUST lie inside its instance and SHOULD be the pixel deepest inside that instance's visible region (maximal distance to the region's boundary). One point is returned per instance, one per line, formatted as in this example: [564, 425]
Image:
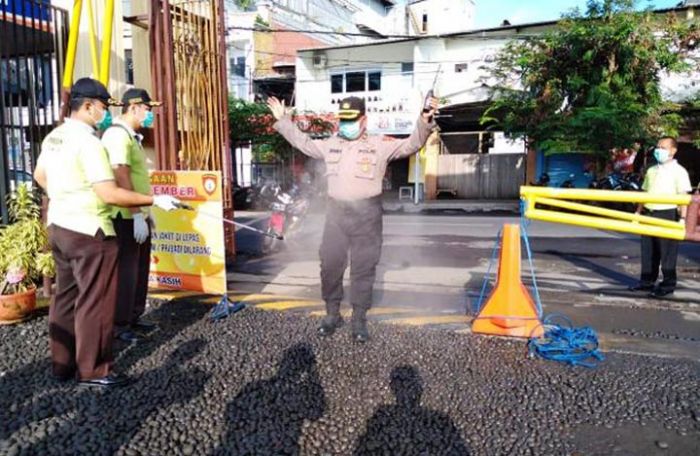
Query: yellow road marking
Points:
[253, 298]
[373, 311]
[286, 305]
[430, 320]
[175, 294]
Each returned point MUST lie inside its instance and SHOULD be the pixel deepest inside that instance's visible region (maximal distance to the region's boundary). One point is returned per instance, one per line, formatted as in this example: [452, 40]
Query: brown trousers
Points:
[81, 316]
[133, 265]
[354, 228]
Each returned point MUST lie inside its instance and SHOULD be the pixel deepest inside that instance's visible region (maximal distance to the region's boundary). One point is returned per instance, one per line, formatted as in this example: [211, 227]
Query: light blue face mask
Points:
[105, 122]
[350, 130]
[661, 155]
[147, 121]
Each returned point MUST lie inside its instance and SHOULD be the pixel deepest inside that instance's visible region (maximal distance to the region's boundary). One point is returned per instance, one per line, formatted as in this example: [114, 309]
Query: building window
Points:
[424, 25]
[355, 81]
[374, 81]
[407, 68]
[129, 66]
[337, 83]
[238, 66]
[461, 67]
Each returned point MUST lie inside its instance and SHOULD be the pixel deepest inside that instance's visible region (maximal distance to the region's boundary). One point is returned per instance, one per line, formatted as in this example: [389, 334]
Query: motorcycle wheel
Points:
[269, 243]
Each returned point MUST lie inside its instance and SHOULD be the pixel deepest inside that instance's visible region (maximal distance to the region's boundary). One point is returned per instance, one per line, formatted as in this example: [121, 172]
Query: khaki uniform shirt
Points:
[74, 159]
[355, 169]
[123, 146]
[669, 178]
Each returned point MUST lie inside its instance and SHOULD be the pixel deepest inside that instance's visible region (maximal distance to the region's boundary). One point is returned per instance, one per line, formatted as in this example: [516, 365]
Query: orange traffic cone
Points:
[509, 310]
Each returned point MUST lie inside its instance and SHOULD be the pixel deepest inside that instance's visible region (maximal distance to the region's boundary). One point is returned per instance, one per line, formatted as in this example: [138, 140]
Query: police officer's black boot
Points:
[359, 326]
[331, 321]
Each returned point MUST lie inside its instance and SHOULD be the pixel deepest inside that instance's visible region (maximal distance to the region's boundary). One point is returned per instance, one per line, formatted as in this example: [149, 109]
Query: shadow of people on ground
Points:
[405, 427]
[266, 417]
[172, 318]
[101, 422]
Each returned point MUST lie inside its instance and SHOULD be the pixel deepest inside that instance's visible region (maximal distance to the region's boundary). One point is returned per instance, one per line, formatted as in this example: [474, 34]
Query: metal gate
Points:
[33, 36]
[188, 58]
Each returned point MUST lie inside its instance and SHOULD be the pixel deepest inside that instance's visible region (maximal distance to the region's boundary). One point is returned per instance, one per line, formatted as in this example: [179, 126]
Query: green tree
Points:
[592, 82]
[251, 123]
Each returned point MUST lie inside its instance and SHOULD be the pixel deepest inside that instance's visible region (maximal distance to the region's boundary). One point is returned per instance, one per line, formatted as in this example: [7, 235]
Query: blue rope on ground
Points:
[225, 308]
[566, 344]
[523, 229]
[482, 295]
[573, 346]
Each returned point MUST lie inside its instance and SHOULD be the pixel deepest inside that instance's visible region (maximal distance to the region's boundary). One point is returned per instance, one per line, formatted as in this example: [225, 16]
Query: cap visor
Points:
[113, 102]
[348, 115]
[154, 104]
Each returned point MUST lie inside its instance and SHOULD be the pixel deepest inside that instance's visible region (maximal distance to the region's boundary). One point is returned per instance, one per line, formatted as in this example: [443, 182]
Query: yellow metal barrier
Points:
[607, 219]
[102, 70]
[73, 34]
[107, 22]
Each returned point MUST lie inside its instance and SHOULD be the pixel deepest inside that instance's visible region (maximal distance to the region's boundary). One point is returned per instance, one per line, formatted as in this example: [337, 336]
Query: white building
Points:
[394, 76]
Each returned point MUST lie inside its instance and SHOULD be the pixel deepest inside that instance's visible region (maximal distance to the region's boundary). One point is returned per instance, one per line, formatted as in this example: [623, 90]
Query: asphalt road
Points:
[434, 266]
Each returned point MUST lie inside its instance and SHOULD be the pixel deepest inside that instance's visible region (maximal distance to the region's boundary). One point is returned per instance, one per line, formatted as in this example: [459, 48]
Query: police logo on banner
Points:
[210, 182]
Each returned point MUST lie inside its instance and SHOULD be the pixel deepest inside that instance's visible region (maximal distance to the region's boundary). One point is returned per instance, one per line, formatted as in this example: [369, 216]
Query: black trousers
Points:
[354, 227]
[82, 312]
[659, 252]
[132, 283]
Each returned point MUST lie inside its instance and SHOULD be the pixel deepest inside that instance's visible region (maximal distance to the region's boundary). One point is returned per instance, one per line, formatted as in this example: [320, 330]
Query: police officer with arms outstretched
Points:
[75, 171]
[355, 166]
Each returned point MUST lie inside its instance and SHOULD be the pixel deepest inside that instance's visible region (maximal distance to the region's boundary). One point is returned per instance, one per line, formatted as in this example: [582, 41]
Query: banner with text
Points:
[187, 251]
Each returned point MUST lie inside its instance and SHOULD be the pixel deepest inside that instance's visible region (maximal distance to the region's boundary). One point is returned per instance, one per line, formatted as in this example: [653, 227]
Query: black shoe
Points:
[62, 378]
[112, 380]
[660, 294]
[329, 324]
[144, 325]
[128, 337]
[359, 330]
[641, 288]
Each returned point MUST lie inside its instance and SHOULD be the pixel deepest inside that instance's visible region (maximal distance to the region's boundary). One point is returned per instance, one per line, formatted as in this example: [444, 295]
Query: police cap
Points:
[351, 108]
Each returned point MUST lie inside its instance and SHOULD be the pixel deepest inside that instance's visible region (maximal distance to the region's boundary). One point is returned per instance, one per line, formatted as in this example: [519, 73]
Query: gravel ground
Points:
[263, 383]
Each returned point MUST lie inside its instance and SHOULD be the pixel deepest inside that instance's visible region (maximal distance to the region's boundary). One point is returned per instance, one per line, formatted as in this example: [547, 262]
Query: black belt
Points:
[357, 204]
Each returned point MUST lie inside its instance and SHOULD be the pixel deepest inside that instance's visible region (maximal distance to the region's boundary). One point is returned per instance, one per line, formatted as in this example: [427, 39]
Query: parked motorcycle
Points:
[619, 181]
[288, 212]
[569, 183]
[543, 181]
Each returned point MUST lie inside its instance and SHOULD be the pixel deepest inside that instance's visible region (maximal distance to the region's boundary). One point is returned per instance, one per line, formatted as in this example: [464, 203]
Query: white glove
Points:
[140, 227]
[165, 202]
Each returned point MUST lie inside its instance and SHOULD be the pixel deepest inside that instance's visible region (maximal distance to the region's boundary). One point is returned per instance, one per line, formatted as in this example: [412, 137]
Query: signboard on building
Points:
[187, 251]
[391, 123]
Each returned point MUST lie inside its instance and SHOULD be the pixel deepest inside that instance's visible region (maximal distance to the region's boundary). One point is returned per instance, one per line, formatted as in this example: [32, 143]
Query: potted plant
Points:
[24, 258]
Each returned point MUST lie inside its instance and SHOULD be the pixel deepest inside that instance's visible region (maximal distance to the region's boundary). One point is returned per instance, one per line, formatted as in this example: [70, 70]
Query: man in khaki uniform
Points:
[355, 166]
[75, 171]
[668, 177]
[132, 225]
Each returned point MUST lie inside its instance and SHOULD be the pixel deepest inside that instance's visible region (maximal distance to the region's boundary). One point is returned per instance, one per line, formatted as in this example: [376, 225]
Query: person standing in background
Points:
[667, 177]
